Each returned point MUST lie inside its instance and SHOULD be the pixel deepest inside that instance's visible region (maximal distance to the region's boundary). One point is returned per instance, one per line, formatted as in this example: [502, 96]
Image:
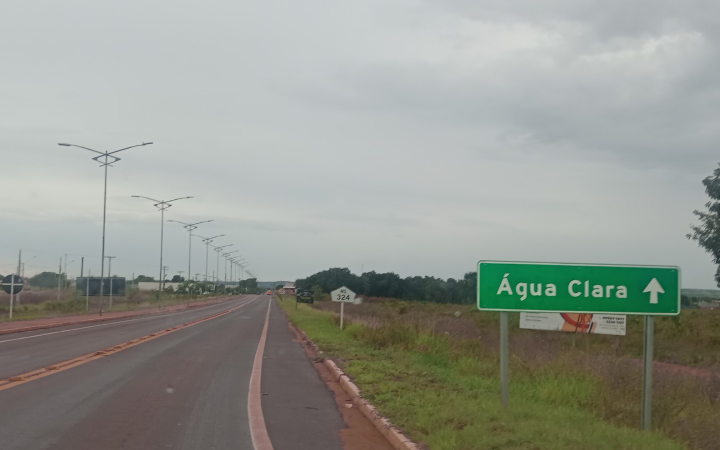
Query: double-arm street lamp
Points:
[190, 227]
[105, 159]
[207, 242]
[162, 206]
[236, 262]
[225, 255]
[217, 267]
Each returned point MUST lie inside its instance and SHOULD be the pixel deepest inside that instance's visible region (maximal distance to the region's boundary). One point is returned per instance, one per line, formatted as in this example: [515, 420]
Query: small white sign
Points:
[343, 294]
[574, 323]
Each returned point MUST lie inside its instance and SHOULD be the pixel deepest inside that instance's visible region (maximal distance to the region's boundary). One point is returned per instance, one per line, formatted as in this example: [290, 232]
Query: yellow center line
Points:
[17, 380]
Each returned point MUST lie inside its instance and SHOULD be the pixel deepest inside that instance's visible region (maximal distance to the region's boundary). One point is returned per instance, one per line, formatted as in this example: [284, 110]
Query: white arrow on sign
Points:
[654, 289]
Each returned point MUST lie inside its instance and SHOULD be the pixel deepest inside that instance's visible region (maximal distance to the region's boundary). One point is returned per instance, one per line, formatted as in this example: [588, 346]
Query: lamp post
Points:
[207, 242]
[108, 159]
[225, 255]
[236, 262]
[161, 205]
[217, 266]
[190, 227]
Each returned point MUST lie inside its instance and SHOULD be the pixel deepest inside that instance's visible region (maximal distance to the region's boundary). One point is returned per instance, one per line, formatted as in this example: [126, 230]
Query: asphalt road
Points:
[187, 389]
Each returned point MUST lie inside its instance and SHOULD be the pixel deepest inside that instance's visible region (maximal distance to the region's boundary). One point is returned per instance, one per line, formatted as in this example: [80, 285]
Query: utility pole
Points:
[164, 268]
[59, 278]
[19, 272]
[82, 268]
[87, 291]
[105, 163]
[110, 258]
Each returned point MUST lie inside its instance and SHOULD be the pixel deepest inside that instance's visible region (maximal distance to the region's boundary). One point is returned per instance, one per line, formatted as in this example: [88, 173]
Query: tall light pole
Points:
[236, 262]
[161, 205]
[108, 159]
[207, 242]
[225, 255]
[190, 227]
[217, 267]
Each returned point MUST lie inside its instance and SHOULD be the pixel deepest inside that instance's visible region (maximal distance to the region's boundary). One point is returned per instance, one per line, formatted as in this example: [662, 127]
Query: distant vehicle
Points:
[305, 296]
[269, 292]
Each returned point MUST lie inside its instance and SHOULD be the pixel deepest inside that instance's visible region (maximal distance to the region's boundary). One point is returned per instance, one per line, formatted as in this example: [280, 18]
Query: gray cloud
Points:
[416, 137]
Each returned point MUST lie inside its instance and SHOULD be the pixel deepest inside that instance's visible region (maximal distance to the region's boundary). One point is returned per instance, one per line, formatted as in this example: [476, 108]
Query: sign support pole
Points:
[12, 294]
[504, 360]
[342, 314]
[648, 345]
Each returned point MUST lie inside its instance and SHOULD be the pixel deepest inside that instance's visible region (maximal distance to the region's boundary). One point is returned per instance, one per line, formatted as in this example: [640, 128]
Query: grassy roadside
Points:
[444, 392]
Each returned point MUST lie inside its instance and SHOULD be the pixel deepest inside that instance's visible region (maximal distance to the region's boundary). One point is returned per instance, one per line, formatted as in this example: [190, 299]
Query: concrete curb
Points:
[394, 436]
[98, 319]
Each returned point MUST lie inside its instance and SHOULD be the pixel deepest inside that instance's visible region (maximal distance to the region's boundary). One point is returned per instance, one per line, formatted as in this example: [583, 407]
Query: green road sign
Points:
[582, 288]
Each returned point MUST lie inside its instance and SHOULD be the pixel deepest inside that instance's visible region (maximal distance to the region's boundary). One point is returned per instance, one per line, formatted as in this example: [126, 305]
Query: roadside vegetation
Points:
[433, 370]
[73, 303]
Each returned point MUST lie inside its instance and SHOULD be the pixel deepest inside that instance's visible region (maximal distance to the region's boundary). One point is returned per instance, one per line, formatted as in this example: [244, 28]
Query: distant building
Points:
[289, 288]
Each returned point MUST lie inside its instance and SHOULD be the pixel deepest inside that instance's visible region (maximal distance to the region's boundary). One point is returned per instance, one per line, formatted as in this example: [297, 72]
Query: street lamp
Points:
[109, 159]
[207, 242]
[217, 264]
[237, 261]
[161, 205]
[225, 255]
[190, 227]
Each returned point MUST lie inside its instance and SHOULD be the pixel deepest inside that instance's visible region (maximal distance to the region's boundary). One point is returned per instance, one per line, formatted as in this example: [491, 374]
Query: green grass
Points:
[445, 392]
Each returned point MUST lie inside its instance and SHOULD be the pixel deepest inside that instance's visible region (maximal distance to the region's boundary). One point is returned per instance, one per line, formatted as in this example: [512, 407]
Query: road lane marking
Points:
[17, 380]
[103, 325]
[258, 430]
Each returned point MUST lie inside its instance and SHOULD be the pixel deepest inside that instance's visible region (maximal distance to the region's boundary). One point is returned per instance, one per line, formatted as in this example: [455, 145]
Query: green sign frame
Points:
[514, 286]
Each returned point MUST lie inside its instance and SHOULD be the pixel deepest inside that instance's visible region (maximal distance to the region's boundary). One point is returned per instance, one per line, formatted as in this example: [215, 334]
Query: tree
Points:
[331, 279]
[707, 233]
[45, 280]
[278, 287]
[142, 278]
[177, 279]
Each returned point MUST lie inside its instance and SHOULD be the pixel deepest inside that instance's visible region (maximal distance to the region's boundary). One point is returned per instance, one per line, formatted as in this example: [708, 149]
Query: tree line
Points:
[389, 284]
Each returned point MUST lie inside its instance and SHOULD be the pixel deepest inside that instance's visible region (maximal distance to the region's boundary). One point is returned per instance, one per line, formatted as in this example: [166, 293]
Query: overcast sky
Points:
[414, 136]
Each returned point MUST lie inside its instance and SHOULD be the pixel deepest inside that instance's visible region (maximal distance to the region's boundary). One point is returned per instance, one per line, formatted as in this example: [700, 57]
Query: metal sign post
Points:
[342, 295]
[504, 360]
[648, 344]
[12, 284]
[649, 291]
[12, 293]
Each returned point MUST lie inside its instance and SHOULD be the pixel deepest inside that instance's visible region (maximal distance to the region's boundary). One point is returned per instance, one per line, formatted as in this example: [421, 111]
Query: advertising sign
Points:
[574, 323]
